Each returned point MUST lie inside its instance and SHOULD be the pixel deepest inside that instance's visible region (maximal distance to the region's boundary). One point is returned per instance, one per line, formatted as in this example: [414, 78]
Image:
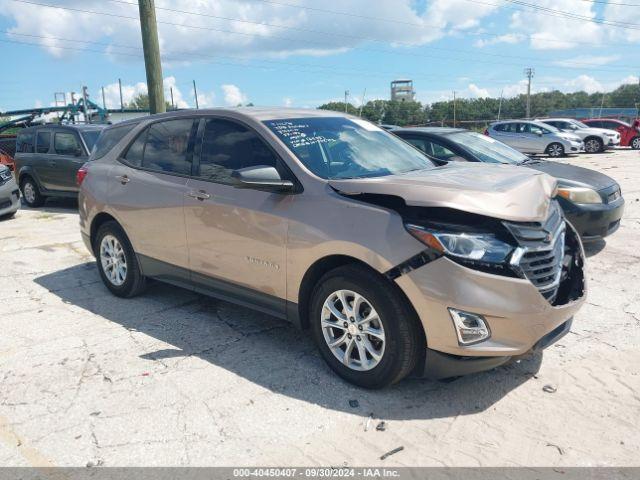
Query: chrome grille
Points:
[542, 250]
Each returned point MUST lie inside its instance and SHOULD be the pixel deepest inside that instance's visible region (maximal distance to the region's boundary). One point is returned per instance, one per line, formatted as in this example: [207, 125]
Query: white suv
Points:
[533, 137]
[595, 139]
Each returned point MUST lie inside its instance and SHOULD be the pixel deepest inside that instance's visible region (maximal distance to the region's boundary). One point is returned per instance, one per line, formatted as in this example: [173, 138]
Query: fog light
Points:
[470, 327]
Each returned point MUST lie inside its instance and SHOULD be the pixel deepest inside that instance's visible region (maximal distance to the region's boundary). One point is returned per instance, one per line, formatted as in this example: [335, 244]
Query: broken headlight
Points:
[478, 247]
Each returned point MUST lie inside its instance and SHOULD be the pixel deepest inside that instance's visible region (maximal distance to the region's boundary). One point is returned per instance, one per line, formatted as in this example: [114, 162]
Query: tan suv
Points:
[394, 263]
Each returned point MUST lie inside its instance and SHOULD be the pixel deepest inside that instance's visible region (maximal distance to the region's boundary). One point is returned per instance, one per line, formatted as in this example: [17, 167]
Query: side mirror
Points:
[266, 179]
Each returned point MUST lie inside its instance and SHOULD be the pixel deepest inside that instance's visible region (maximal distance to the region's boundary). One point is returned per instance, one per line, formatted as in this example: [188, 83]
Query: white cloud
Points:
[129, 92]
[584, 83]
[233, 96]
[287, 102]
[509, 38]
[588, 60]
[478, 92]
[256, 32]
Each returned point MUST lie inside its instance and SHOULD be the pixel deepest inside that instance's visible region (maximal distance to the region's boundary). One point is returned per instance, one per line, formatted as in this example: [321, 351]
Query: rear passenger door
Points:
[66, 157]
[41, 162]
[507, 133]
[147, 191]
[237, 237]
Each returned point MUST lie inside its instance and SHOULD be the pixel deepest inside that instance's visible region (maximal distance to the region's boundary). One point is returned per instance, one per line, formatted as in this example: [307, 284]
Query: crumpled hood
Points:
[572, 175]
[501, 191]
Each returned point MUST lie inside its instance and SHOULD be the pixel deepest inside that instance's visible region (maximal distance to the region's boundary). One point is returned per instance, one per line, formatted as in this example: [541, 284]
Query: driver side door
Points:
[236, 237]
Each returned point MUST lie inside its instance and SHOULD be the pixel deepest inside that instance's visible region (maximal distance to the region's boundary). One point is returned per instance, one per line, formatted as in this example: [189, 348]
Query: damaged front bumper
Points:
[519, 317]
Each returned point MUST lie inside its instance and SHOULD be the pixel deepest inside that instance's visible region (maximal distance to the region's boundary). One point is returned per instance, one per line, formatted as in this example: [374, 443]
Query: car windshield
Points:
[90, 137]
[487, 149]
[338, 147]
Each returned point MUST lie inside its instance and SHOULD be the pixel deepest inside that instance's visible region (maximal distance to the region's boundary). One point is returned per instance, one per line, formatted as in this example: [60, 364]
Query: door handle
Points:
[123, 179]
[199, 195]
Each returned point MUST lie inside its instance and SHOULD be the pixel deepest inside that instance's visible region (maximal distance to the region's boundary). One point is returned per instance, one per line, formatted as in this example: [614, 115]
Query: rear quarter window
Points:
[24, 142]
[108, 139]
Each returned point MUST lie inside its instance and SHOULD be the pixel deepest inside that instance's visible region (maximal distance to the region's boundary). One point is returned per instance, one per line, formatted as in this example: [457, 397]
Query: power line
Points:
[394, 52]
[605, 2]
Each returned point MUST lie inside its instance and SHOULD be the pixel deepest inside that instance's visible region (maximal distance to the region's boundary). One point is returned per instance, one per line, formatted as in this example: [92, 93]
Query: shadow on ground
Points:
[271, 353]
[594, 248]
[55, 205]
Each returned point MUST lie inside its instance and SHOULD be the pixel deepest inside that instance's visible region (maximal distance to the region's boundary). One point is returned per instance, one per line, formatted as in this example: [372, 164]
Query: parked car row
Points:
[591, 201]
[435, 252]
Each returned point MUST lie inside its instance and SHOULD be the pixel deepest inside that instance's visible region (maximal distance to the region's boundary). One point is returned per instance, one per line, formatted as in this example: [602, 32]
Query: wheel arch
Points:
[323, 265]
[99, 220]
[28, 172]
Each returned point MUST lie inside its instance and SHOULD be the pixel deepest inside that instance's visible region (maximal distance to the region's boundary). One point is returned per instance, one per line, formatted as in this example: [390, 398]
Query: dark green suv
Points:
[48, 158]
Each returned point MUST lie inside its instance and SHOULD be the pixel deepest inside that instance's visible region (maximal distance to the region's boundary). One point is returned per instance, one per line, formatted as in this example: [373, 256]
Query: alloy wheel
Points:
[635, 144]
[113, 260]
[555, 150]
[29, 192]
[592, 146]
[353, 330]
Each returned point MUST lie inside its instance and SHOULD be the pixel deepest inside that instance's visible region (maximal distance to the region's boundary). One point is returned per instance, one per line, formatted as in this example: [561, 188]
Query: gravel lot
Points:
[174, 378]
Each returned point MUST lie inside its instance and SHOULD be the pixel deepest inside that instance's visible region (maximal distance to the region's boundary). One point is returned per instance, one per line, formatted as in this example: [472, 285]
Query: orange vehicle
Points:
[7, 150]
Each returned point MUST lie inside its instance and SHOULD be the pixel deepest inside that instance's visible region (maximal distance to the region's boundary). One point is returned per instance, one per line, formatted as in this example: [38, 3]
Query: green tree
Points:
[141, 102]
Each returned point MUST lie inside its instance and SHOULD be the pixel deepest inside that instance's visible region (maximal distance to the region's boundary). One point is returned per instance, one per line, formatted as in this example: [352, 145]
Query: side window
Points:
[135, 152]
[511, 127]
[65, 143]
[43, 140]
[420, 144]
[167, 147]
[228, 146]
[24, 142]
[107, 140]
[594, 123]
[441, 152]
[501, 127]
[610, 125]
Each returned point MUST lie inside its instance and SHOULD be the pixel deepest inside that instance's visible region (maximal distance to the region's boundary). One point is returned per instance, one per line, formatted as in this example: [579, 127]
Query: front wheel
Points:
[363, 328]
[555, 150]
[117, 262]
[31, 193]
[593, 145]
[635, 143]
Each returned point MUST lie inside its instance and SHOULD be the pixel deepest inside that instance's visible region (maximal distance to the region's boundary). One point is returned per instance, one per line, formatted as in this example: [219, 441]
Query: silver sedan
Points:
[9, 193]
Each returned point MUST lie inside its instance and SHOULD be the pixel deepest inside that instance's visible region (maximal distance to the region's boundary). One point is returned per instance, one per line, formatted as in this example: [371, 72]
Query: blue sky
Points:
[304, 52]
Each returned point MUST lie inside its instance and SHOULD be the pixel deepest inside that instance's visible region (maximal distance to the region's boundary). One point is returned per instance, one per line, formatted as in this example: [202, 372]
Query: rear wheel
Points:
[31, 193]
[117, 262]
[364, 329]
[635, 143]
[555, 150]
[593, 145]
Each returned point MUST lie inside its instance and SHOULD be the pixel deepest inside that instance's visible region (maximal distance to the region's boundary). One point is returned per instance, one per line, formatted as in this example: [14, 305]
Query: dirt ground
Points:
[174, 378]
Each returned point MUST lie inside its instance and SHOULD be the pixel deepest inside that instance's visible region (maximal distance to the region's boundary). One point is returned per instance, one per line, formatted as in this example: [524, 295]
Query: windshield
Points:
[90, 137]
[487, 149]
[338, 147]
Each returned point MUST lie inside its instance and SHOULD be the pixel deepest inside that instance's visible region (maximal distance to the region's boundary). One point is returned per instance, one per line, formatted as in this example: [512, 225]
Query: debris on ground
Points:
[560, 449]
[549, 389]
[366, 424]
[391, 452]
[381, 427]
[354, 403]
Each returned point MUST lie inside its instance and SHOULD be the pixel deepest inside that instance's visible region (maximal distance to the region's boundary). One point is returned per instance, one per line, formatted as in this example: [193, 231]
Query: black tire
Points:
[134, 282]
[35, 199]
[593, 145]
[404, 337]
[8, 216]
[555, 150]
[635, 143]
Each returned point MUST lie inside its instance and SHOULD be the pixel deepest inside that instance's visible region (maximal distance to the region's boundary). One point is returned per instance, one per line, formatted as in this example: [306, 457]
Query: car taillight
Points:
[81, 175]
[486, 131]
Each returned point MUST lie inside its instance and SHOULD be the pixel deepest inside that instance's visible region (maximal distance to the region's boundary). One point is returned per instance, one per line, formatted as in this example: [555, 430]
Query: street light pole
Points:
[529, 72]
[151, 47]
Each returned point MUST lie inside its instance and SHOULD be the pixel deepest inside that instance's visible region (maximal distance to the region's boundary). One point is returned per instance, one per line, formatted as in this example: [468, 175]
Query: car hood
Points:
[501, 191]
[570, 175]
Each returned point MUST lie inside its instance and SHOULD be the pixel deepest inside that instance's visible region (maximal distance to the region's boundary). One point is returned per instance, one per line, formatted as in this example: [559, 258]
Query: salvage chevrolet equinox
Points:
[394, 264]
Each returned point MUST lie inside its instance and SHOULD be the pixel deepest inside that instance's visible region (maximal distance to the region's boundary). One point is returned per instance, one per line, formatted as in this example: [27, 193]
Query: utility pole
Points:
[195, 94]
[87, 118]
[500, 104]
[104, 102]
[529, 72]
[120, 88]
[173, 107]
[454, 109]
[149, 29]
[346, 95]
[364, 94]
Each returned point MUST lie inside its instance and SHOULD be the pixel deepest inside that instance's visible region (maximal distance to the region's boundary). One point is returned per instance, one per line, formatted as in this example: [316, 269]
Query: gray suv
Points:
[48, 158]
[394, 264]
